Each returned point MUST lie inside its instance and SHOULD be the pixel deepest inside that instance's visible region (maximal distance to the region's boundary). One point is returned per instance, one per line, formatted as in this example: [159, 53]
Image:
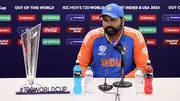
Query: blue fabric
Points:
[113, 10]
[103, 50]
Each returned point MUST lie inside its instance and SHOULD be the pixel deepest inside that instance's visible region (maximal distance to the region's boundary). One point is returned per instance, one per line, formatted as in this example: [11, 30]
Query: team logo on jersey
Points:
[102, 50]
[125, 48]
[109, 8]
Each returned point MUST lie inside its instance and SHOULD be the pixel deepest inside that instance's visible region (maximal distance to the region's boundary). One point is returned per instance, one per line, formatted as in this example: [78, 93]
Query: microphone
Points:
[123, 84]
[105, 86]
[119, 47]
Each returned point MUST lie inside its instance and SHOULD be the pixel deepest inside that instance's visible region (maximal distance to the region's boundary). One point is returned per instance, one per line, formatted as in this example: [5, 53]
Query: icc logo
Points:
[102, 50]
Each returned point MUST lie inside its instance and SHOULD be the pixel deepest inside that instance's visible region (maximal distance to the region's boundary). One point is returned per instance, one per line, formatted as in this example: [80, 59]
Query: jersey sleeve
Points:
[140, 52]
[85, 52]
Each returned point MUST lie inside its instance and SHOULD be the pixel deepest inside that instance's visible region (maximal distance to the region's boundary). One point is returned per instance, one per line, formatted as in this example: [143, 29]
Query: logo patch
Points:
[102, 50]
[109, 8]
[125, 48]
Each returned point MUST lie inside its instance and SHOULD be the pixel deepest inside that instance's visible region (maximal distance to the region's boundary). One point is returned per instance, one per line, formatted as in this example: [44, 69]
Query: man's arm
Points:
[140, 52]
[85, 53]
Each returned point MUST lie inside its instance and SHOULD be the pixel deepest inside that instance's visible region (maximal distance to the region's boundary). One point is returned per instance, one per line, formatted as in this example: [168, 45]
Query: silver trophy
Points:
[30, 45]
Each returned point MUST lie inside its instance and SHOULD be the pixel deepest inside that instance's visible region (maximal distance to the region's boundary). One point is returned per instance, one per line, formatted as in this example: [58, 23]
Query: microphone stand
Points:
[105, 86]
[122, 83]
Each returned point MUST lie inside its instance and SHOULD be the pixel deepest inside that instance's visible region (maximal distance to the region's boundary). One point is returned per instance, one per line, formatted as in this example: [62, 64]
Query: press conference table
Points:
[165, 89]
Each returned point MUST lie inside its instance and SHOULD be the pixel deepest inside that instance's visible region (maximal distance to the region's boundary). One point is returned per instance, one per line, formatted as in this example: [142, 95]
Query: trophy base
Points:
[32, 88]
[49, 92]
[29, 87]
[30, 84]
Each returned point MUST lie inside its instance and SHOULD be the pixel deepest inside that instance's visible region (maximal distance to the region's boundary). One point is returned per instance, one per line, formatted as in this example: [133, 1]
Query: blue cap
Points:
[113, 10]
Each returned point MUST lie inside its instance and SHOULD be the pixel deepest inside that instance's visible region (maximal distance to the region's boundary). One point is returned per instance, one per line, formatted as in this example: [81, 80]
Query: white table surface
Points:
[164, 89]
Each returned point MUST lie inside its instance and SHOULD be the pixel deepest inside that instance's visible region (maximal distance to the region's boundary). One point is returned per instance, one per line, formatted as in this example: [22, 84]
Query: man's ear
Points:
[123, 21]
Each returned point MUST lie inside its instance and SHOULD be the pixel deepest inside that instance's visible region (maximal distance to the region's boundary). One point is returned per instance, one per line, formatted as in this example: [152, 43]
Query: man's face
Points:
[112, 26]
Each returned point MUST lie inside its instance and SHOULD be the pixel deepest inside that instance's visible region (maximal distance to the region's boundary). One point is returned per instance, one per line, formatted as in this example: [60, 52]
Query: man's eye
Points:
[112, 19]
[105, 20]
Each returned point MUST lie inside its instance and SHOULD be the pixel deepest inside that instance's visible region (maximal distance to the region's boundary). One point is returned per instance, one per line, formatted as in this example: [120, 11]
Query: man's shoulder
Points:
[134, 34]
[131, 30]
[99, 30]
[93, 34]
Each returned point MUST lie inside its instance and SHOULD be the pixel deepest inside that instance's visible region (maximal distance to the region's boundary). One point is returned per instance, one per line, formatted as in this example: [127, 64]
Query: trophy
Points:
[30, 45]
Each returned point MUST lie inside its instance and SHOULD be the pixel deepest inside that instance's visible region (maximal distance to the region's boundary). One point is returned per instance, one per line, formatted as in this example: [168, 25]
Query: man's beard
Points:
[111, 31]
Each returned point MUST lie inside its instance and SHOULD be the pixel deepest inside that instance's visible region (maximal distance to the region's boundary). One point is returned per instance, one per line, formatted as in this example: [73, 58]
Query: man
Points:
[98, 46]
